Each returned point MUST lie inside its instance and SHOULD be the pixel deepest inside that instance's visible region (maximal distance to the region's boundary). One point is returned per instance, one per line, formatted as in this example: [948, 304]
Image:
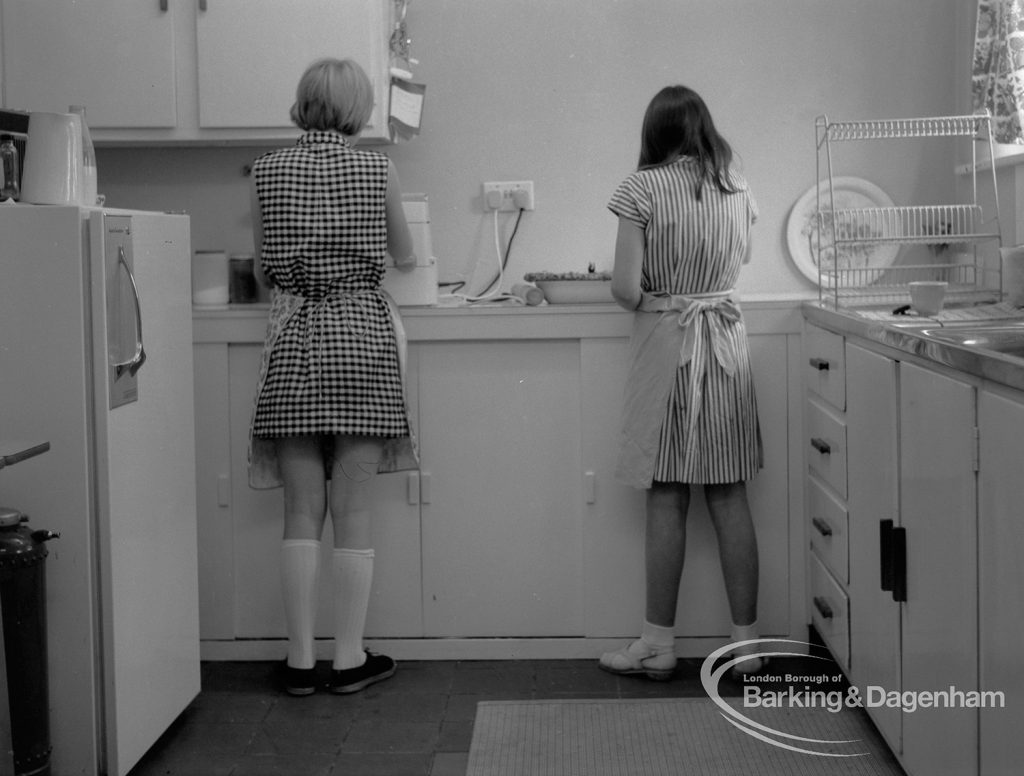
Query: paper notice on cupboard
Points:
[406, 108]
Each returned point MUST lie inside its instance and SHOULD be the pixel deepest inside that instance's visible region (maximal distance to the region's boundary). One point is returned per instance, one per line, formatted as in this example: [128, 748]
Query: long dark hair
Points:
[678, 123]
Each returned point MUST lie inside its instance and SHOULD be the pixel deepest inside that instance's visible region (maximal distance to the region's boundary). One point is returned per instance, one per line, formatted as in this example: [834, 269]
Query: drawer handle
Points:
[821, 445]
[822, 606]
[822, 526]
[821, 364]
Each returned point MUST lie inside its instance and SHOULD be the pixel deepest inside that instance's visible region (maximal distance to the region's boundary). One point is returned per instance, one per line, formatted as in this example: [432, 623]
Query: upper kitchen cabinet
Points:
[252, 52]
[58, 53]
[155, 72]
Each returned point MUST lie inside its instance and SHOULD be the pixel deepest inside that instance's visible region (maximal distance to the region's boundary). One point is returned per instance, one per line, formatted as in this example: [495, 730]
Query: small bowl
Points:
[926, 296]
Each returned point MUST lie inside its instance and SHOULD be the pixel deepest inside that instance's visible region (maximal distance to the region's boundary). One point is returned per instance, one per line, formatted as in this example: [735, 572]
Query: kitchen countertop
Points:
[246, 323]
[908, 337]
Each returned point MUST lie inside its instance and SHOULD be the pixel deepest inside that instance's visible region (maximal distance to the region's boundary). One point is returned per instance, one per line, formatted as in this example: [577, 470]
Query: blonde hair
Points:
[333, 94]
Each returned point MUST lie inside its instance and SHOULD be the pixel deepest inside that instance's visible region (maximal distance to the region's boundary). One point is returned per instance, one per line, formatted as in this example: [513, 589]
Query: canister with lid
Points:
[242, 279]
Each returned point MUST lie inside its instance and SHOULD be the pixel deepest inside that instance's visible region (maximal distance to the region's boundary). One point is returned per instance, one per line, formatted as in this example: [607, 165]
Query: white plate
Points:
[801, 229]
[576, 291]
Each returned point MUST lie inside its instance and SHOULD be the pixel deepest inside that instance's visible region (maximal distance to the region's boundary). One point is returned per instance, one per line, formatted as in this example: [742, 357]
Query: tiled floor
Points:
[419, 722]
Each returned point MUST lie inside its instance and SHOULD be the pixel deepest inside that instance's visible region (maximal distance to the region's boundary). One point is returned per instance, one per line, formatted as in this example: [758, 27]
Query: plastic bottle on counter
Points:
[10, 169]
[89, 177]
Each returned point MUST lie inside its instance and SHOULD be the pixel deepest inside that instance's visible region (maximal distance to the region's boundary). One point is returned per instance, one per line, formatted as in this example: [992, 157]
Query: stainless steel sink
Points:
[1003, 337]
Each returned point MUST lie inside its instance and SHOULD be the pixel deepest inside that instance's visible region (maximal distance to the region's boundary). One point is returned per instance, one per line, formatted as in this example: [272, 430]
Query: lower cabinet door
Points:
[872, 443]
[938, 510]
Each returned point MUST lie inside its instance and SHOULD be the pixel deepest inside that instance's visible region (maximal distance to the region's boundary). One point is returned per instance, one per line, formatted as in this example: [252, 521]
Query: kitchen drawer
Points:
[826, 446]
[825, 365]
[830, 612]
[829, 529]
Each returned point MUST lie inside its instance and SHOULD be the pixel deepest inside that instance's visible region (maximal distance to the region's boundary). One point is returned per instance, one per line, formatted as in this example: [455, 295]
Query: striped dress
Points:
[700, 424]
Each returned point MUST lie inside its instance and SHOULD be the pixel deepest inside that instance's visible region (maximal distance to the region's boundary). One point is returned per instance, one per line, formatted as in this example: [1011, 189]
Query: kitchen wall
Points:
[555, 92]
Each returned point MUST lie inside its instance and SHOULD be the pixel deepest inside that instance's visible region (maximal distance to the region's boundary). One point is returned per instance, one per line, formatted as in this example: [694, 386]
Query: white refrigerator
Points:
[96, 359]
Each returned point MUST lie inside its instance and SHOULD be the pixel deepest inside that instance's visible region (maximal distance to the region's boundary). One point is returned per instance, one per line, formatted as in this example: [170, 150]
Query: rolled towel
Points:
[529, 293]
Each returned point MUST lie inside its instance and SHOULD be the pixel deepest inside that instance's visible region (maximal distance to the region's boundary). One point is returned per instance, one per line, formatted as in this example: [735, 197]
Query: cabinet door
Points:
[500, 430]
[252, 52]
[115, 57]
[938, 509]
[1001, 577]
[615, 518]
[871, 413]
[395, 609]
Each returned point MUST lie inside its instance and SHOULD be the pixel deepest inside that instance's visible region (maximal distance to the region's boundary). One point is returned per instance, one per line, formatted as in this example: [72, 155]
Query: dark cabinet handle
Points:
[821, 445]
[823, 527]
[821, 604]
[885, 528]
[899, 564]
[821, 364]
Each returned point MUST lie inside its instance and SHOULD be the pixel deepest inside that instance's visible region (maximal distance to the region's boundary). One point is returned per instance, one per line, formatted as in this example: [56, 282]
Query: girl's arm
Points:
[629, 259]
[399, 238]
[257, 234]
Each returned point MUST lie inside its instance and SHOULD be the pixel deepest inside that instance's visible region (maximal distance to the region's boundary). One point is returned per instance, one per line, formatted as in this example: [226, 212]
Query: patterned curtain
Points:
[997, 81]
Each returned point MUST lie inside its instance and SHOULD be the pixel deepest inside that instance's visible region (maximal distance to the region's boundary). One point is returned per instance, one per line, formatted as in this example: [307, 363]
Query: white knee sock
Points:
[300, 574]
[353, 575]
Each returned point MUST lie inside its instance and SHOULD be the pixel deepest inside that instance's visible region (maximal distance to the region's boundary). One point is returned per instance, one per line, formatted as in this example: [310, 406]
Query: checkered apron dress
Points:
[333, 358]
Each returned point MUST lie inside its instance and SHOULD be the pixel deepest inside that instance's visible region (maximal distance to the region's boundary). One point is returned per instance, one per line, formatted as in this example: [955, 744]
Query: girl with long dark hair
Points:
[690, 410]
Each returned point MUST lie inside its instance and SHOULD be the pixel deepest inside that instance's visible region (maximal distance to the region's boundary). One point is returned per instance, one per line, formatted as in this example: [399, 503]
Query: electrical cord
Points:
[497, 295]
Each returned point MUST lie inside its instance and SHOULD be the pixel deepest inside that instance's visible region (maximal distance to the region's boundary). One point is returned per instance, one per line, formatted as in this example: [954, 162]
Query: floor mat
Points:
[669, 737]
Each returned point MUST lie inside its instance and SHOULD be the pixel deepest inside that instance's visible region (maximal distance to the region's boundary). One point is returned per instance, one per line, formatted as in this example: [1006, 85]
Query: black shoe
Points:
[377, 668]
[298, 681]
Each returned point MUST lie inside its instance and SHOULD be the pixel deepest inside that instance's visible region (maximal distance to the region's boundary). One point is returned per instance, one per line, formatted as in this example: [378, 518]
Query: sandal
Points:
[639, 658]
[755, 664]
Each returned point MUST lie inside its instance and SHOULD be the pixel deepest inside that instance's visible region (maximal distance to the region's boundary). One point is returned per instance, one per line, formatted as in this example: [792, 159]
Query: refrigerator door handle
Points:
[135, 363]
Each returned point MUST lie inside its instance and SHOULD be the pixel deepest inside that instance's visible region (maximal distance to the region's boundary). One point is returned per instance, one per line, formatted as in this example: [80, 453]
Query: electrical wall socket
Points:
[513, 195]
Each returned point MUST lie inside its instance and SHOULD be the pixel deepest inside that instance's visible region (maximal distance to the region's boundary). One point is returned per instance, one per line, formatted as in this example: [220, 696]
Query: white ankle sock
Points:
[659, 637]
[300, 574]
[353, 575]
[746, 633]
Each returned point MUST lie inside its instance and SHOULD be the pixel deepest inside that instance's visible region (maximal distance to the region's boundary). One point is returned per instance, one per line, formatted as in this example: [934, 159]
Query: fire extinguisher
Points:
[23, 606]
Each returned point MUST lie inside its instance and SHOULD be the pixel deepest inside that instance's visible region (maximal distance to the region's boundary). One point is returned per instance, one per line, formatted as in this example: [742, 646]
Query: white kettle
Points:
[53, 173]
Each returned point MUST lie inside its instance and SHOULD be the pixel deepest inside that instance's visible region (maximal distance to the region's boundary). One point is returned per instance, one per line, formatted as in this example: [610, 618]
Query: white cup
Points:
[926, 296]
[210, 278]
[1013, 274]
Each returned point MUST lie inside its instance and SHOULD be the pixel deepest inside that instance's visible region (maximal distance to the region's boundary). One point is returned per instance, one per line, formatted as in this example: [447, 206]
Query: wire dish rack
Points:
[848, 239]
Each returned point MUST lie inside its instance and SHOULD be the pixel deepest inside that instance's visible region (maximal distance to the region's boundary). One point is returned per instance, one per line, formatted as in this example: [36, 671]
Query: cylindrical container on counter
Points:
[242, 279]
[1013, 274]
[210, 278]
[529, 293]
